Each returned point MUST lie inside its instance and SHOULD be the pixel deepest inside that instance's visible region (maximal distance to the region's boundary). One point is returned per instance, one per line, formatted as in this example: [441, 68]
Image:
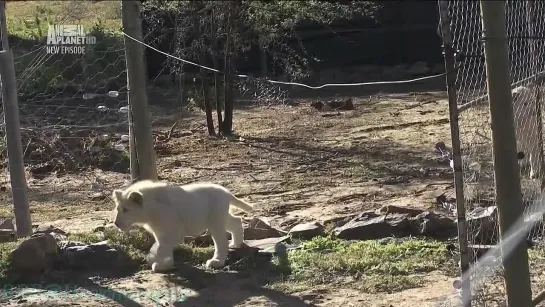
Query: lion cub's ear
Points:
[137, 198]
[117, 194]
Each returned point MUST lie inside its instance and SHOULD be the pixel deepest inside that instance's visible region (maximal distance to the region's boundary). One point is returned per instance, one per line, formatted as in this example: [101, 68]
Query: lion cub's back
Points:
[207, 187]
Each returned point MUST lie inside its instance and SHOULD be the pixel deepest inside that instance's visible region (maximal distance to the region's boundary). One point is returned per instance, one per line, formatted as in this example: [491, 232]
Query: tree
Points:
[222, 31]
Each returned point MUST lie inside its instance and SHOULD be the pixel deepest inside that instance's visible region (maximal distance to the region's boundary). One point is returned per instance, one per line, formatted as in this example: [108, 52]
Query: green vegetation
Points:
[5, 249]
[138, 243]
[371, 266]
[29, 19]
[39, 72]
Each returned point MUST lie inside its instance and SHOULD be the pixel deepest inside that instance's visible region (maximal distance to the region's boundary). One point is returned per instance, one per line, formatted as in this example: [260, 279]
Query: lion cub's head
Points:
[129, 208]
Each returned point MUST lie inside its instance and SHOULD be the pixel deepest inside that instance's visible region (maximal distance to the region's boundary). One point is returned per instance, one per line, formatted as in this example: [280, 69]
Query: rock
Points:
[66, 244]
[434, 225]
[412, 212]
[96, 256]
[326, 107]
[255, 229]
[7, 224]
[270, 245]
[7, 235]
[57, 233]
[341, 104]
[369, 227]
[484, 221]
[306, 230]
[333, 104]
[35, 254]
[339, 220]
[259, 228]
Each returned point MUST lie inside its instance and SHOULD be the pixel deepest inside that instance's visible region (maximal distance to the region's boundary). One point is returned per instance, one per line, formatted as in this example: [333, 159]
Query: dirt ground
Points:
[294, 164]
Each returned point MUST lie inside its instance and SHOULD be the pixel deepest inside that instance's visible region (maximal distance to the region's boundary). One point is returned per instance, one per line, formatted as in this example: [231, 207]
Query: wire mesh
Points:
[525, 41]
[73, 107]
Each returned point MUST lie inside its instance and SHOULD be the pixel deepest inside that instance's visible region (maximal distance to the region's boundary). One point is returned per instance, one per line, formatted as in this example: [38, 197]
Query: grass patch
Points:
[371, 266]
[103, 64]
[137, 244]
[30, 19]
[5, 250]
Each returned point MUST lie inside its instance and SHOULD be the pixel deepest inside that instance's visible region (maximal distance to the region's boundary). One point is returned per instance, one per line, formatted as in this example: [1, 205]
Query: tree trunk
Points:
[215, 53]
[204, 78]
[227, 126]
[206, 101]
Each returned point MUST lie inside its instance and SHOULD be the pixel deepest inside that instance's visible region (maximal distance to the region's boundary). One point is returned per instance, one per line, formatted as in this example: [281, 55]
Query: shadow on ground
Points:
[187, 286]
[381, 158]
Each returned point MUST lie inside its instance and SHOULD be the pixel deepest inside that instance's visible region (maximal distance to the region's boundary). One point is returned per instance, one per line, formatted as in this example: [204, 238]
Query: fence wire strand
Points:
[71, 111]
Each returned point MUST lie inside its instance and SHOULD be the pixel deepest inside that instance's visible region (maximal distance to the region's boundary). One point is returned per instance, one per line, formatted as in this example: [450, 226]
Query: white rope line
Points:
[287, 83]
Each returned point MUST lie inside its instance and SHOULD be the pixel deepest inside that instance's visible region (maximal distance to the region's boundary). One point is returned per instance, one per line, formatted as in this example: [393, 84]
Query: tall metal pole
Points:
[23, 224]
[448, 53]
[138, 99]
[506, 169]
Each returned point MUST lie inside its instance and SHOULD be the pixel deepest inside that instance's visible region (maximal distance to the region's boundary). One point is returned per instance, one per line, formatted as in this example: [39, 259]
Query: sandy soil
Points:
[295, 164]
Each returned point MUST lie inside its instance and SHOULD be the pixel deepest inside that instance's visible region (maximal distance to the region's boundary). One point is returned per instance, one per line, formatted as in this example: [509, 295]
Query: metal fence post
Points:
[506, 169]
[138, 99]
[450, 69]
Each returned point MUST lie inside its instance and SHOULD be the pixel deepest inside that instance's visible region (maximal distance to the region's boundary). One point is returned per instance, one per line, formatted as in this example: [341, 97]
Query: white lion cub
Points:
[171, 213]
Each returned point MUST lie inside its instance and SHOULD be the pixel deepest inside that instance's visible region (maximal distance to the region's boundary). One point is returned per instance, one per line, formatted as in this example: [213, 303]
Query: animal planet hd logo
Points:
[68, 39]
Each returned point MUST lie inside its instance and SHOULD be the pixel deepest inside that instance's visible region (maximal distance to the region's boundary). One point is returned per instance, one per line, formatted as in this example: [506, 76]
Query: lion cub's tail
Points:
[236, 202]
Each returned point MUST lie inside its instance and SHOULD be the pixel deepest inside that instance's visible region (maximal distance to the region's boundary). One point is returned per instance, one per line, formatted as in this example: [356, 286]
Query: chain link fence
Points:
[73, 106]
[526, 51]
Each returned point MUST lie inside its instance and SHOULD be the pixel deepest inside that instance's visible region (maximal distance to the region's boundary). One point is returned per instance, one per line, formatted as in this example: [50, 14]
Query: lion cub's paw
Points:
[150, 258]
[159, 267]
[233, 245]
[214, 263]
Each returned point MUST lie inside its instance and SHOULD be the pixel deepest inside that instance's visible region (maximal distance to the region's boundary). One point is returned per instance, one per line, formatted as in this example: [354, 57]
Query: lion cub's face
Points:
[128, 208]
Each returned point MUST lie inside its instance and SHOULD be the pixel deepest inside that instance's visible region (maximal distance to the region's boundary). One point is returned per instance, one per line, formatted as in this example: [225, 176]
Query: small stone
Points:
[306, 230]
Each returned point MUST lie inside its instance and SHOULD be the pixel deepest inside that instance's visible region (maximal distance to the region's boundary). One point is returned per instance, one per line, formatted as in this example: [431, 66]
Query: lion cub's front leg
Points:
[150, 259]
[162, 255]
[221, 248]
